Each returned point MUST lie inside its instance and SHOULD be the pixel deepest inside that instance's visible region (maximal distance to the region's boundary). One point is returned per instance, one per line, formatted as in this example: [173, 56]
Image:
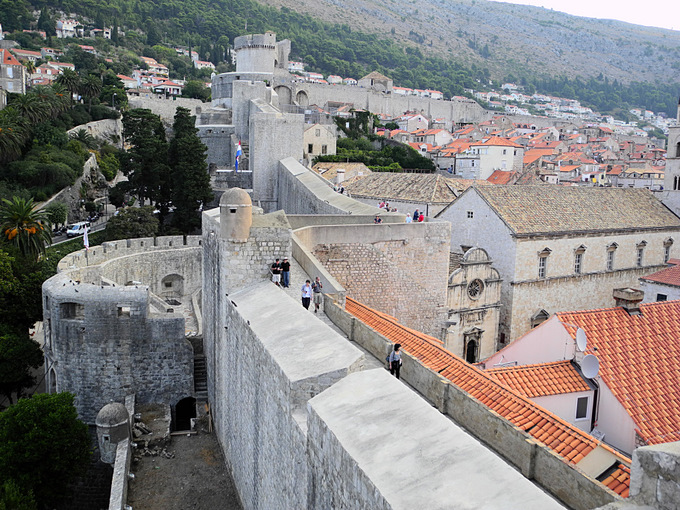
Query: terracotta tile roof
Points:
[501, 177]
[576, 209]
[572, 444]
[425, 188]
[329, 171]
[8, 59]
[542, 379]
[497, 141]
[618, 480]
[639, 361]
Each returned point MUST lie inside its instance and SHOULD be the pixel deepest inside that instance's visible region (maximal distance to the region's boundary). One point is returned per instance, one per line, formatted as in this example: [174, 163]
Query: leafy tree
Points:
[145, 163]
[19, 353]
[57, 213]
[13, 497]
[196, 90]
[46, 23]
[189, 172]
[25, 226]
[133, 222]
[43, 445]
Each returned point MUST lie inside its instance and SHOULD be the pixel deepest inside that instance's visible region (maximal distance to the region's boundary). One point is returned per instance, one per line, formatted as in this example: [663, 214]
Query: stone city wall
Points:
[400, 269]
[302, 425]
[101, 343]
[261, 372]
[165, 108]
[456, 111]
[537, 462]
[302, 191]
[121, 467]
[101, 339]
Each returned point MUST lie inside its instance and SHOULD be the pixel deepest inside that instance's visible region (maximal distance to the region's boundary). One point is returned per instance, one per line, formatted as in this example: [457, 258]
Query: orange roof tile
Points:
[564, 439]
[639, 361]
[501, 177]
[542, 379]
[7, 58]
[498, 141]
[618, 480]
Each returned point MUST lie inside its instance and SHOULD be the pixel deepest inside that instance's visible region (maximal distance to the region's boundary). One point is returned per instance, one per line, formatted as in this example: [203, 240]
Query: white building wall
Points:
[614, 421]
[564, 406]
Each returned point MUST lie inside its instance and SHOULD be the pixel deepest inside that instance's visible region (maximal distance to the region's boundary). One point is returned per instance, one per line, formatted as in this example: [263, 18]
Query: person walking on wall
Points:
[416, 215]
[316, 288]
[395, 360]
[285, 272]
[306, 294]
[276, 272]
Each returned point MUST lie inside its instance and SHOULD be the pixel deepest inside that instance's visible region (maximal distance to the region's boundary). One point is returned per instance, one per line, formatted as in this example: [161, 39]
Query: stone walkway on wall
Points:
[297, 280]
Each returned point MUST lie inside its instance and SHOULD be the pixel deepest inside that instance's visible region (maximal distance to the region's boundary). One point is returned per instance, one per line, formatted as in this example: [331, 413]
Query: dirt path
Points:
[194, 478]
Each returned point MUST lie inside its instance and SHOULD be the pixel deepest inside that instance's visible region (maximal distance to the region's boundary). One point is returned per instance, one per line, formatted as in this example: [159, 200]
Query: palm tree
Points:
[25, 226]
[85, 138]
[90, 87]
[32, 107]
[70, 80]
[13, 136]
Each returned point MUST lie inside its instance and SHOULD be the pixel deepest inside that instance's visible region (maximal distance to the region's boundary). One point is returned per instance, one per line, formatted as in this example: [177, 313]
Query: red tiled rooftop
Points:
[542, 379]
[563, 438]
[639, 361]
[618, 480]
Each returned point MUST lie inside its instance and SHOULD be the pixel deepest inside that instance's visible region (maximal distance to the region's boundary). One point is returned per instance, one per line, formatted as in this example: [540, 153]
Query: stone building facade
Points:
[562, 248]
[474, 304]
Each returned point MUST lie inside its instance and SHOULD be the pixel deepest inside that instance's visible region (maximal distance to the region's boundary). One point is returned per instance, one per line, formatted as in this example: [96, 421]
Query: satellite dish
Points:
[581, 340]
[590, 366]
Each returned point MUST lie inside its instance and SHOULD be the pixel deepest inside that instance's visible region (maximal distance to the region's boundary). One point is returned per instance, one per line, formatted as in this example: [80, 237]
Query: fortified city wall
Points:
[105, 339]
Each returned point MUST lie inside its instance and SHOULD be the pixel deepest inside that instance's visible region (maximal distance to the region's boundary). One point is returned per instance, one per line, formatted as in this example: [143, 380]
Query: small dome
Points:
[235, 197]
[111, 415]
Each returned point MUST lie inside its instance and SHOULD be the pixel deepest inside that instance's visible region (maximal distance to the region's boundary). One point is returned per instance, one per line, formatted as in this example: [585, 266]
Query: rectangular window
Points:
[661, 297]
[505, 151]
[610, 260]
[542, 264]
[324, 149]
[676, 182]
[578, 259]
[124, 311]
[581, 408]
[470, 214]
[640, 253]
[310, 148]
[666, 253]
[317, 132]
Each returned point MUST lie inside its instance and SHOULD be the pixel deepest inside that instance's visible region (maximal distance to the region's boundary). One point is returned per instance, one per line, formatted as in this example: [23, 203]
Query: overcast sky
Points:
[653, 13]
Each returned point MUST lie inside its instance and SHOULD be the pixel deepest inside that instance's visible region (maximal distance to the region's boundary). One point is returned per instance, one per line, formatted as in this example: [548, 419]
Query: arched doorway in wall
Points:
[52, 383]
[182, 414]
[301, 98]
[471, 343]
[285, 95]
[172, 286]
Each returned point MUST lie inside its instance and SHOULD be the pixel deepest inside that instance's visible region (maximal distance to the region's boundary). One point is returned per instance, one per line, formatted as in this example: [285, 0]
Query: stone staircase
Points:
[200, 378]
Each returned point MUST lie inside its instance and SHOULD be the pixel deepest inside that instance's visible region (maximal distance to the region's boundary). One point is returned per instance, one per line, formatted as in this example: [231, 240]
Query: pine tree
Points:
[189, 173]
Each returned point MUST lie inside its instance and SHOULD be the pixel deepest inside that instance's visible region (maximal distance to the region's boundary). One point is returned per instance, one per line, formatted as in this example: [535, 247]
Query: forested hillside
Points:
[417, 58]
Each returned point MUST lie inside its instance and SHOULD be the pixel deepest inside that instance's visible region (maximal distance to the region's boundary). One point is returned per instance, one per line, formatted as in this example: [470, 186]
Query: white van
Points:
[77, 229]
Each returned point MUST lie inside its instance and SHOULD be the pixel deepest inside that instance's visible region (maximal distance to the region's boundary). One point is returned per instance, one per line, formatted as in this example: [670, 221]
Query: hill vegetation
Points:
[449, 46]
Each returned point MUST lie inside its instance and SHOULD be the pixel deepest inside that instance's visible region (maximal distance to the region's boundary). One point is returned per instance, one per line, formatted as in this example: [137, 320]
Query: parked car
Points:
[77, 229]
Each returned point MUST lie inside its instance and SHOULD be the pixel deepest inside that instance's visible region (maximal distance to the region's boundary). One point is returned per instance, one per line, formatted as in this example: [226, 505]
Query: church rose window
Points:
[475, 288]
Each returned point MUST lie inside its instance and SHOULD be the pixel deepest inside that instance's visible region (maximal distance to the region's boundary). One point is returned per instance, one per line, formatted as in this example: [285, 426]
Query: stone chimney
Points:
[629, 299]
[340, 176]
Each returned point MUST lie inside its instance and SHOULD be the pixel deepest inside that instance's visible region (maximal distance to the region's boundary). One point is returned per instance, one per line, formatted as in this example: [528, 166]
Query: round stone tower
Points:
[236, 215]
[256, 53]
[113, 426]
